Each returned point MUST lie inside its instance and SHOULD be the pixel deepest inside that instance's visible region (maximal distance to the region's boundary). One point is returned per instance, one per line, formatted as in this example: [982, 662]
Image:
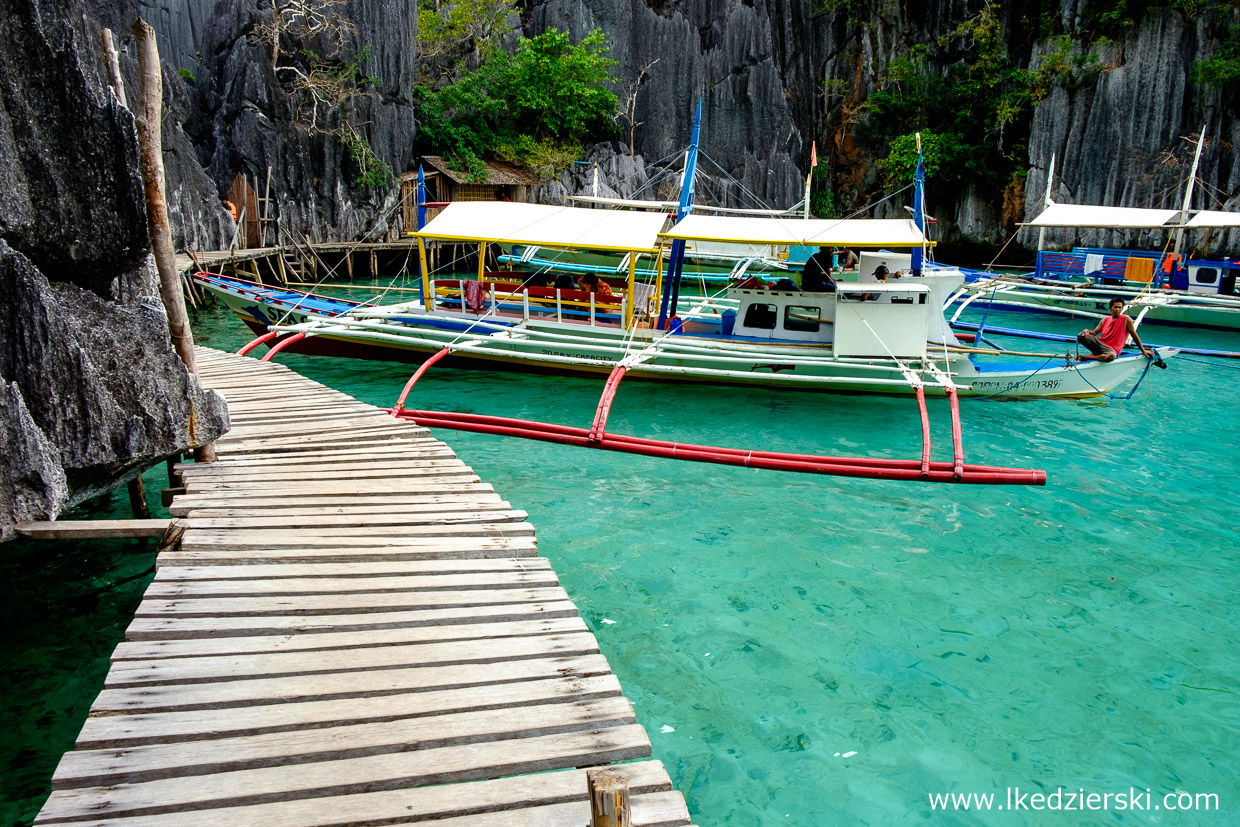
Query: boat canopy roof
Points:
[812, 232]
[670, 206]
[546, 226]
[1214, 218]
[1087, 216]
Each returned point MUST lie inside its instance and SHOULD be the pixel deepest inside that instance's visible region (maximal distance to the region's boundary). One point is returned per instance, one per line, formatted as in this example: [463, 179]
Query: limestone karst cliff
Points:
[774, 76]
[92, 391]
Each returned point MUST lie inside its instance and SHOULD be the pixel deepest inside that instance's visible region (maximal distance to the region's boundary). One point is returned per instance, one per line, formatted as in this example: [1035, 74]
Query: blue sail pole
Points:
[421, 198]
[919, 209]
[675, 262]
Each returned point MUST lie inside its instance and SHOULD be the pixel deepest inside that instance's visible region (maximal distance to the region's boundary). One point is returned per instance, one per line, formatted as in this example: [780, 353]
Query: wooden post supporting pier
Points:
[151, 162]
[137, 499]
[609, 799]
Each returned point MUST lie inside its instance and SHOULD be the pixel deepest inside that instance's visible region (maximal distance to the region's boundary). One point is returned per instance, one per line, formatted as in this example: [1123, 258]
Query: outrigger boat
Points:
[864, 338]
[1161, 286]
[886, 338]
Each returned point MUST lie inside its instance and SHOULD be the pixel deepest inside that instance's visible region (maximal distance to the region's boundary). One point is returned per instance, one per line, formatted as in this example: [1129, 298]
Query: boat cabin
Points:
[885, 320]
[1213, 277]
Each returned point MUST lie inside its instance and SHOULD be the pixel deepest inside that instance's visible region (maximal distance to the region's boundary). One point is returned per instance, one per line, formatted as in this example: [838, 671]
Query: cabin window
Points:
[1206, 275]
[761, 316]
[801, 319]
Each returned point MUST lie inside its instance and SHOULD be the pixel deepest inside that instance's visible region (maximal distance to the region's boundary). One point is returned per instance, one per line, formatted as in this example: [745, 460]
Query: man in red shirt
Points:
[1107, 339]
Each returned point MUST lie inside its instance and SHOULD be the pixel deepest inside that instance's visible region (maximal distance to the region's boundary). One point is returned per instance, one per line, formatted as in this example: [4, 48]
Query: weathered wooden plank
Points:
[149, 762]
[654, 810]
[282, 664]
[284, 586]
[356, 775]
[342, 469]
[475, 526]
[275, 446]
[363, 525]
[91, 529]
[346, 489]
[346, 603]
[171, 574]
[339, 685]
[310, 428]
[116, 731]
[175, 628]
[358, 455]
[302, 642]
[474, 503]
[304, 430]
[426, 548]
[196, 483]
[299, 498]
[337, 439]
[515, 793]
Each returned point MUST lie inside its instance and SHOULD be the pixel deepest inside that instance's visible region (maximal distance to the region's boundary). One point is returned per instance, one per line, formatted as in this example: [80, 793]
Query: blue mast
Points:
[675, 262]
[919, 208]
[421, 198]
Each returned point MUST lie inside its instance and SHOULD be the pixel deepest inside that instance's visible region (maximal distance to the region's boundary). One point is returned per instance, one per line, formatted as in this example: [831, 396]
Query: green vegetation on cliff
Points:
[533, 105]
[974, 116]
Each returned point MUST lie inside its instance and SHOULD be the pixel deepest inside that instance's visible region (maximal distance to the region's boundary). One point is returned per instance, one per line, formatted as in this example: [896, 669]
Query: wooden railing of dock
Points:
[357, 630]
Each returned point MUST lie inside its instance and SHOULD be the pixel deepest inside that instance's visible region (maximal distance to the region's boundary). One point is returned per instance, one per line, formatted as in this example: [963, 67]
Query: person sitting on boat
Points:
[1107, 339]
[591, 283]
[816, 277]
[880, 275]
[752, 283]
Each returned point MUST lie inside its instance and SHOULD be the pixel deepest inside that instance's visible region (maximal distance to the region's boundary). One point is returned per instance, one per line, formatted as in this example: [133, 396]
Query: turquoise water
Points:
[63, 607]
[816, 650]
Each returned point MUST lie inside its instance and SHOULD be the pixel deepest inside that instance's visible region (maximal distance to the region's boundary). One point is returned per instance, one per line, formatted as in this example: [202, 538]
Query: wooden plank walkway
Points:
[354, 630]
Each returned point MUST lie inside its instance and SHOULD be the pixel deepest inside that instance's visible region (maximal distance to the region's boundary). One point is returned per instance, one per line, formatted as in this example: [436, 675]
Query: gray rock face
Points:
[1128, 139]
[54, 127]
[91, 391]
[774, 75]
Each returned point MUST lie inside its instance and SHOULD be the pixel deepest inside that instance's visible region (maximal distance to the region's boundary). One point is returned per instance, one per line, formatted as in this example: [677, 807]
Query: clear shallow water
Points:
[943, 638]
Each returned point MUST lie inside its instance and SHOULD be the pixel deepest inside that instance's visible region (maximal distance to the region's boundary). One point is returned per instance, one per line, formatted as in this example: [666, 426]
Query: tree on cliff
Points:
[533, 107]
[974, 115]
[326, 87]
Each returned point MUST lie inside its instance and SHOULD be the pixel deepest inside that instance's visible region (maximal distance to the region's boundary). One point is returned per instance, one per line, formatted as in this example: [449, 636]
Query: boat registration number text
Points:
[1040, 384]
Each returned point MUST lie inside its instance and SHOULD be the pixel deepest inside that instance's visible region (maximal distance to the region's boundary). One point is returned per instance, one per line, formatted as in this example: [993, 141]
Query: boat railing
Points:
[569, 305]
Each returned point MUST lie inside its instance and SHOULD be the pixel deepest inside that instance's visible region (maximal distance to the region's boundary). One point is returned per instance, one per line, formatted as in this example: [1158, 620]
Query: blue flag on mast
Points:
[919, 209]
[675, 262]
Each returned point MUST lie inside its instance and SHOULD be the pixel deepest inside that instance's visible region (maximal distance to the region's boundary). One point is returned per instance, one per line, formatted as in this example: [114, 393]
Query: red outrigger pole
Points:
[597, 437]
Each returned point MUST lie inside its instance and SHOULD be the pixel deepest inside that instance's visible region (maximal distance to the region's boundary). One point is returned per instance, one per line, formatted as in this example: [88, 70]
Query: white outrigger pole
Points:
[1188, 193]
[1047, 200]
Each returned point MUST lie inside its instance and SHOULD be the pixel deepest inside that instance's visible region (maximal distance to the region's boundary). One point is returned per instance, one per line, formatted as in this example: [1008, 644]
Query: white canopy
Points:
[545, 226]
[670, 206]
[1214, 218]
[1112, 218]
[813, 232]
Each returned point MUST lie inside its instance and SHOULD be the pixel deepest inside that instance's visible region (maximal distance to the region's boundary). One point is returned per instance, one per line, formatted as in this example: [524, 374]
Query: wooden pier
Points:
[354, 630]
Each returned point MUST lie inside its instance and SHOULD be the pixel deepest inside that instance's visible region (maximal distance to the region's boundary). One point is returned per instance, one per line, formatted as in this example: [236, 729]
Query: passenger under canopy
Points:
[541, 225]
[813, 232]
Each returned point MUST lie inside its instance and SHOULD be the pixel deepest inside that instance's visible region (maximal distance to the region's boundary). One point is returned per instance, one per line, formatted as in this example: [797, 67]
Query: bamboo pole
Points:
[152, 165]
[112, 61]
[151, 162]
